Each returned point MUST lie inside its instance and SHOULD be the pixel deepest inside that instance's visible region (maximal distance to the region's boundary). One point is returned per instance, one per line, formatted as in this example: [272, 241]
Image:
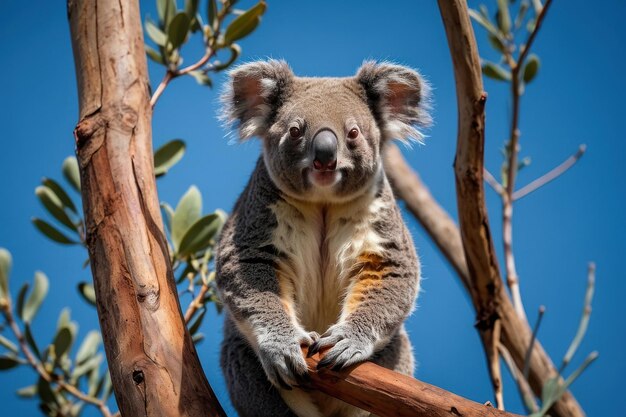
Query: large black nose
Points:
[325, 151]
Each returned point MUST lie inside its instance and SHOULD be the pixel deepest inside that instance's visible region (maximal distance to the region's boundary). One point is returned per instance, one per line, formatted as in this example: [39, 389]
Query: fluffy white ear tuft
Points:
[399, 98]
[252, 95]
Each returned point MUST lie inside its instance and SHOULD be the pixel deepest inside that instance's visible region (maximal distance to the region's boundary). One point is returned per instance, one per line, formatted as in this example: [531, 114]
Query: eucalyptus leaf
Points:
[45, 392]
[212, 13]
[64, 318]
[37, 295]
[495, 71]
[21, 297]
[107, 390]
[155, 33]
[178, 29]
[60, 193]
[197, 338]
[30, 339]
[8, 362]
[5, 270]
[531, 68]
[88, 347]
[243, 25]
[8, 344]
[168, 213]
[63, 341]
[154, 55]
[167, 156]
[200, 234]
[191, 8]
[484, 22]
[87, 366]
[504, 17]
[523, 8]
[201, 78]
[53, 204]
[71, 172]
[496, 43]
[52, 232]
[88, 293]
[187, 212]
[27, 392]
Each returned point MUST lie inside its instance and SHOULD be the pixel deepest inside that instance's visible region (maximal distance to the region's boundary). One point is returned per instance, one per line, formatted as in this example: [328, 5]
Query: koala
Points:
[315, 252]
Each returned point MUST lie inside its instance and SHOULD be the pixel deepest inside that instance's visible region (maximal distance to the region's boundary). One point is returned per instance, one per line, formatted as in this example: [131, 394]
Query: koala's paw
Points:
[350, 347]
[283, 362]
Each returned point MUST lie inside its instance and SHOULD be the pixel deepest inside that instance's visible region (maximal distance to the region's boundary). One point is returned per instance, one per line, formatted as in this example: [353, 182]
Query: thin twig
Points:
[551, 175]
[528, 398]
[526, 48]
[196, 303]
[493, 182]
[47, 376]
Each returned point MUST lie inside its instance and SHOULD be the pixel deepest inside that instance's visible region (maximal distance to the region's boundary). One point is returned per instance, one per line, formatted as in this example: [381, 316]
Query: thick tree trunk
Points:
[153, 363]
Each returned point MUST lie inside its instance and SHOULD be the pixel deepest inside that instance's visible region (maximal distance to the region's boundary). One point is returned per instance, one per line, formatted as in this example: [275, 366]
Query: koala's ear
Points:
[399, 98]
[253, 94]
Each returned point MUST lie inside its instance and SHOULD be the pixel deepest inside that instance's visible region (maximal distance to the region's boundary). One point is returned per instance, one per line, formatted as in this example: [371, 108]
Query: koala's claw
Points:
[283, 362]
[349, 347]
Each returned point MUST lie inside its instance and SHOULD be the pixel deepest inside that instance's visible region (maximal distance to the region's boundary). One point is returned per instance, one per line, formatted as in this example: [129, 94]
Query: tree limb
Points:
[387, 393]
[153, 363]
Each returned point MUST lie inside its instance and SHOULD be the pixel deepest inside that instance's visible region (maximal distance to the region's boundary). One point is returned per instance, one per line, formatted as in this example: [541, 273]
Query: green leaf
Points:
[197, 338]
[5, 270]
[193, 327]
[187, 212]
[8, 362]
[191, 8]
[496, 43]
[89, 347]
[178, 29]
[243, 25]
[30, 339]
[549, 389]
[537, 6]
[167, 156]
[155, 33]
[504, 17]
[201, 78]
[200, 234]
[484, 22]
[45, 392]
[523, 8]
[212, 13]
[21, 296]
[37, 295]
[235, 51]
[64, 318]
[63, 342]
[8, 344]
[154, 55]
[60, 193]
[107, 390]
[88, 293]
[495, 71]
[168, 213]
[52, 232]
[166, 10]
[27, 392]
[531, 68]
[71, 172]
[53, 204]
[87, 366]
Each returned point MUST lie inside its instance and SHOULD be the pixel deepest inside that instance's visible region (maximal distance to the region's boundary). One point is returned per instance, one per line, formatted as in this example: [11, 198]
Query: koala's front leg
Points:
[381, 296]
[248, 286]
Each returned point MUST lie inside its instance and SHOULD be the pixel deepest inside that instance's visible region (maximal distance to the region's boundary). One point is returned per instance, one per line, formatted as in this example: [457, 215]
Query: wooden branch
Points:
[482, 263]
[387, 393]
[550, 175]
[153, 363]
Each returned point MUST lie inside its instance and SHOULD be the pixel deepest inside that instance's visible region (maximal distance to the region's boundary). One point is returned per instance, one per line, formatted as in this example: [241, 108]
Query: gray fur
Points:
[299, 256]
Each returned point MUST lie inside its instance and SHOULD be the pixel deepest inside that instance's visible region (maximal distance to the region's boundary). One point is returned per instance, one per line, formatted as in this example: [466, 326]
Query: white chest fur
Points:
[321, 244]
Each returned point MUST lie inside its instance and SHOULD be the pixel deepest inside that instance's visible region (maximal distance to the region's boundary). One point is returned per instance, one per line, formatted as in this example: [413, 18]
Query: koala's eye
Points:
[294, 132]
[353, 133]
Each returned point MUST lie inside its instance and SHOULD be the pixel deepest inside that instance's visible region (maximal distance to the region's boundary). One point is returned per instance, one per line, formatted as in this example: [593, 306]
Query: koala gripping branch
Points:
[153, 363]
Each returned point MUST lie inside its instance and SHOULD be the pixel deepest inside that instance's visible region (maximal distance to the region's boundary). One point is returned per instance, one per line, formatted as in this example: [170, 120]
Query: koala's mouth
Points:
[324, 179]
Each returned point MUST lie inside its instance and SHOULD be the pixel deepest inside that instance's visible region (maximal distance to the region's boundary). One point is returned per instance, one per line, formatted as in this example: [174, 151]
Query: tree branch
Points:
[493, 183]
[388, 393]
[551, 175]
[531, 38]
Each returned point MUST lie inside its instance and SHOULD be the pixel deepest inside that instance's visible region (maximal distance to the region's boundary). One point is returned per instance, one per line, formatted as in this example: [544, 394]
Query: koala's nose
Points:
[325, 151]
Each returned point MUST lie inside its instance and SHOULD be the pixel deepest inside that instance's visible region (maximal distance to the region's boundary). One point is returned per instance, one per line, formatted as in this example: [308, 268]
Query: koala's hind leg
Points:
[250, 391]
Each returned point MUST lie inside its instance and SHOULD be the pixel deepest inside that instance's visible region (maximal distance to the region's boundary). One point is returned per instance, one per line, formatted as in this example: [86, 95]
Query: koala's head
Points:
[322, 137]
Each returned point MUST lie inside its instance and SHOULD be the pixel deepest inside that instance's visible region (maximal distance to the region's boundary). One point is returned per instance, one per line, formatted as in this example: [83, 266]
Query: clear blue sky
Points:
[576, 98]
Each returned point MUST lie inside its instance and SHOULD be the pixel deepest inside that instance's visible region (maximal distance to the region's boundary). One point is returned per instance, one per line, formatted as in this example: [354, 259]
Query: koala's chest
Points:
[320, 248]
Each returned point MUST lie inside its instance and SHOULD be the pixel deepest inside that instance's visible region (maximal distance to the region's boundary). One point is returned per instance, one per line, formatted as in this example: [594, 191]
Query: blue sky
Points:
[576, 98]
